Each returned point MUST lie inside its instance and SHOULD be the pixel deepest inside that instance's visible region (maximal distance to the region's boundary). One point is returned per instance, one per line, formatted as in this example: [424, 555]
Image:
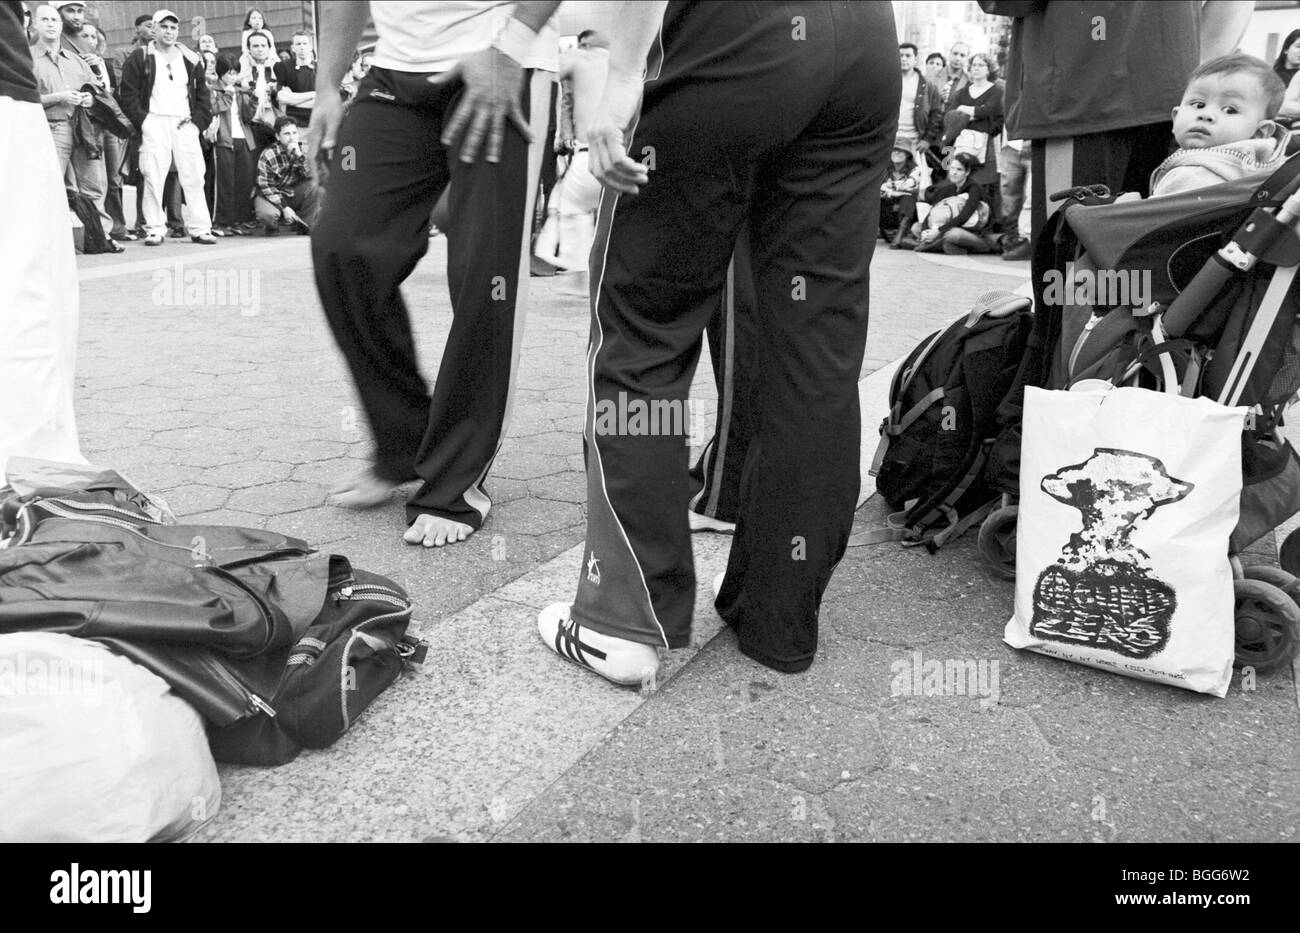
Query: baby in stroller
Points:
[1224, 126]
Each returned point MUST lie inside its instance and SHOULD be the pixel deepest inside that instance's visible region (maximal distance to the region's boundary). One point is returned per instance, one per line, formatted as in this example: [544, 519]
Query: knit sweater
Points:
[1188, 169]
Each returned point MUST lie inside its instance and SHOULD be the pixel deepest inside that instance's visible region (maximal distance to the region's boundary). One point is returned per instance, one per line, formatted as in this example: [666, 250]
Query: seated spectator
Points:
[959, 212]
[898, 195]
[286, 191]
[978, 107]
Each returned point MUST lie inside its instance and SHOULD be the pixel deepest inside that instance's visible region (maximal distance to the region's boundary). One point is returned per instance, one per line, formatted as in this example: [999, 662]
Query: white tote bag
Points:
[1127, 500]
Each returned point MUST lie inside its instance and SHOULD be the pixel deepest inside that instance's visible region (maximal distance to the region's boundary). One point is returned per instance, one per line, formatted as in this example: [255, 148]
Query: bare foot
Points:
[363, 491]
[434, 531]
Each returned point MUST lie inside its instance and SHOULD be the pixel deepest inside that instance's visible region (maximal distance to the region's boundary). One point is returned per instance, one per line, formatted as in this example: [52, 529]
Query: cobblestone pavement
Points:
[208, 376]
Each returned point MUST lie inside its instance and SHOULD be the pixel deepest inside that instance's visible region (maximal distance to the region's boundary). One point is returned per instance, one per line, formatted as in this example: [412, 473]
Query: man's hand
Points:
[84, 98]
[70, 97]
[210, 134]
[322, 133]
[289, 215]
[928, 235]
[493, 82]
[609, 161]
[922, 146]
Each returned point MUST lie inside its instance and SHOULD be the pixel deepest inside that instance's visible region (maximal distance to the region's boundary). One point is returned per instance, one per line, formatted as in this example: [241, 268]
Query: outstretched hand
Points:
[493, 82]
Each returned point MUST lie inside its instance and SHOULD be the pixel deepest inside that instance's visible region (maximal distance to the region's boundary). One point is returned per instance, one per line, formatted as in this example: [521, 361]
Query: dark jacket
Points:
[1063, 80]
[137, 87]
[927, 110]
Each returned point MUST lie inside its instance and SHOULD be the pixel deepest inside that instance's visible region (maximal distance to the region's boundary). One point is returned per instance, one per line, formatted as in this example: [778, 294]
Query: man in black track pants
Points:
[778, 117]
[438, 69]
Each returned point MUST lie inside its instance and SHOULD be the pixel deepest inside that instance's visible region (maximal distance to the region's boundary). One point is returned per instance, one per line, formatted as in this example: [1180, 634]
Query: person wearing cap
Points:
[165, 93]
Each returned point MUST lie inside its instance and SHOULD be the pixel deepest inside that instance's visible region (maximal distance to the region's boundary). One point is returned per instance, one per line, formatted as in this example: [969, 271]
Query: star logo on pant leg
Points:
[593, 570]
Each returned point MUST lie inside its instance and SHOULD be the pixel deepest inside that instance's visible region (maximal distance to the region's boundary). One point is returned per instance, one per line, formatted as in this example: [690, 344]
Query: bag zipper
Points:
[1078, 344]
[253, 704]
[347, 657]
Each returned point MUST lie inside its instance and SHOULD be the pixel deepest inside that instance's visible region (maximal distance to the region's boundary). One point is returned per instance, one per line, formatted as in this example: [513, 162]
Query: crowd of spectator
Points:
[952, 153]
[209, 138]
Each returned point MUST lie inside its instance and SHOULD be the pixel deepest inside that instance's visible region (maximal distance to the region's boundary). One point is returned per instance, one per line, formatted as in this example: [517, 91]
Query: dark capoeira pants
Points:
[775, 117]
[715, 477]
[388, 170]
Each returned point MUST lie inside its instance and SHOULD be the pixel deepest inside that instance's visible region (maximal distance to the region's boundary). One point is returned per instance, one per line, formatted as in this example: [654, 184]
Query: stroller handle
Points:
[1260, 231]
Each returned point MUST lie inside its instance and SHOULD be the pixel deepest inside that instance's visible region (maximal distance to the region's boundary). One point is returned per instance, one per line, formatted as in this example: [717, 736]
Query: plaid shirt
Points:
[278, 171]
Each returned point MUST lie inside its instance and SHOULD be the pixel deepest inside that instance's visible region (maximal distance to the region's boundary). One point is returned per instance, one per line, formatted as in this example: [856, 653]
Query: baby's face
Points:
[1219, 109]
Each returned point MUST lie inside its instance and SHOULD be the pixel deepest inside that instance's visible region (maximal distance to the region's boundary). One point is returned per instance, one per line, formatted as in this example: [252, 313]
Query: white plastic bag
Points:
[1127, 500]
[95, 748]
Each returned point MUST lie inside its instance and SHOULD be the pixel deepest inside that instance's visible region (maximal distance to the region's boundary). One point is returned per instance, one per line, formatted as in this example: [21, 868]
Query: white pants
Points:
[163, 141]
[565, 238]
[38, 293]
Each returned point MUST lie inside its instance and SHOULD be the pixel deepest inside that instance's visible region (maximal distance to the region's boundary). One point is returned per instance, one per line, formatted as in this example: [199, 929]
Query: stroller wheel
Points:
[1289, 554]
[997, 541]
[1278, 577]
[1267, 625]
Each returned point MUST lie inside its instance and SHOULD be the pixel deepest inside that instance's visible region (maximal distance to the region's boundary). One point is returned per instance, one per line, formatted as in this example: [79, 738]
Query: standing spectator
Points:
[955, 78]
[208, 136]
[254, 21]
[356, 71]
[1015, 165]
[257, 76]
[60, 75]
[165, 93]
[286, 191]
[90, 172]
[208, 44]
[233, 153]
[296, 80]
[920, 111]
[935, 66]
[1093, 129]
[38, 290]
[980, 102]
[143, 36]
[565, 239]
[1287, 67]
[114, 146]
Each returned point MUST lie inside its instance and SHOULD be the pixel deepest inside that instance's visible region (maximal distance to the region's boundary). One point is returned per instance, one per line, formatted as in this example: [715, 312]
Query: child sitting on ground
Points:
[1224, 126]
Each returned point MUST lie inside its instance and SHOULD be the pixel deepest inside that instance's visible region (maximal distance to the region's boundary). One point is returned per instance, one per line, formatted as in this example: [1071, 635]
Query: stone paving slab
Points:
[249, 418]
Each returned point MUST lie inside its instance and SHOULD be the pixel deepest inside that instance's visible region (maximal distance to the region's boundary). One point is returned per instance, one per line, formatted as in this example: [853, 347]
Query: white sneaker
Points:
[627, 663]
[700, 522]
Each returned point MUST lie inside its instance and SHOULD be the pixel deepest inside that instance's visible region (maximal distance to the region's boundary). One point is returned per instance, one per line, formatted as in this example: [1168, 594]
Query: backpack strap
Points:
[895, 425]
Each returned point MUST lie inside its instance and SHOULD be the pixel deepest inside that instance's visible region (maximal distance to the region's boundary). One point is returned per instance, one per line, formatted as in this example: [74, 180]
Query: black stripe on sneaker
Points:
[569, 643]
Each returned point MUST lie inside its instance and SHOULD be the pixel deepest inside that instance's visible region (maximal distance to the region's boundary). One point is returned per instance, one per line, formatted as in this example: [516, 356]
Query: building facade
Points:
[221, 19]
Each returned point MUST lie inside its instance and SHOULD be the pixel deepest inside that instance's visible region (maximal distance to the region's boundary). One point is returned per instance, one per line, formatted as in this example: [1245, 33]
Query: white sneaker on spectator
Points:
[154, 239]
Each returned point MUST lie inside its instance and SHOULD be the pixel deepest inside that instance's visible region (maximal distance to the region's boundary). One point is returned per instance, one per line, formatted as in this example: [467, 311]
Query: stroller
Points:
[1222, 320]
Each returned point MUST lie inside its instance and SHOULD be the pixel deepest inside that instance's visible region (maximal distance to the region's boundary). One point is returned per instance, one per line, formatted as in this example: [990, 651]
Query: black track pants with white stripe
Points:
[389, 169]
[786, 130]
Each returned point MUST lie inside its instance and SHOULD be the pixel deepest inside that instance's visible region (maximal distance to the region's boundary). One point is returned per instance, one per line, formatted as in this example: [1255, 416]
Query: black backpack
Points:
[942, 420]
[278, 646]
